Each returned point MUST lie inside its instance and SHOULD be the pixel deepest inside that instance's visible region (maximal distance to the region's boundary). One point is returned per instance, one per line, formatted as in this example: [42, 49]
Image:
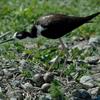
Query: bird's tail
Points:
[92, 16]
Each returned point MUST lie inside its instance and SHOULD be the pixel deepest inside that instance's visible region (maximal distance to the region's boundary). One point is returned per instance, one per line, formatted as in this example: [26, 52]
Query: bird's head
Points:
[24, 34]
[21, 35]
[17, 35]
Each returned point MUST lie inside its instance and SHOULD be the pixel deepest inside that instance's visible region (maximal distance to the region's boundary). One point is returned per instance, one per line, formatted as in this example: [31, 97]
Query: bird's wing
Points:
[51, 19]
[55, 25]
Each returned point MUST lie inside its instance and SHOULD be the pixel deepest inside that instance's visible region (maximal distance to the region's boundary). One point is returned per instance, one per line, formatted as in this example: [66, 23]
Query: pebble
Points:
[96, 76]
[1, 73]
[81, 46]
[81, 94]
[45, 87]
[94, 41]
[7, 74]
[27, 86]
[46, 97]
[1, 78]
[94, 91]
[13, 98]
[92, 60]
[48, 77]
[15, 83]
[15, 95]
[38, 78]
[87, 81]
[23, 62]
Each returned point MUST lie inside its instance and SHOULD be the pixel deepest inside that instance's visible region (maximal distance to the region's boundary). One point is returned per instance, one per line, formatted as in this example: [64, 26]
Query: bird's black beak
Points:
[7, 40]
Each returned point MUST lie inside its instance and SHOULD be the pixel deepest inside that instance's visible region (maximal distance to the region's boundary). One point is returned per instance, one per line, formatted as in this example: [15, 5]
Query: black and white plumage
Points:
[54, 26]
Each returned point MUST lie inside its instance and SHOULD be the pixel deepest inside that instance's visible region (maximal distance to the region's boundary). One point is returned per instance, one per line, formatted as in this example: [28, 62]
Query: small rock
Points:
[28, 97]
[45, 87]
[31, 81]
[81, 46]
[12, 69]
[46, 97]
[1, 78]
[92, 60]
[97, 98]
[28, 87]
[77, 38]
[30, 46]
[5, 71]
[96, 76]
[43, 47]
[94, 91]
[81, 95]
[60, 46]
[87, 81]
[15, 83]
[1, 73]
[7, 74]
[94, 41]
[15, 95]
[38, 78]
[48, 77]
[13, 98]
[22, 62]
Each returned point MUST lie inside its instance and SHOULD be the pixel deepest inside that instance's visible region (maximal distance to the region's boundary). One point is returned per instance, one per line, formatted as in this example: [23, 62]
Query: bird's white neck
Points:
[39, 29]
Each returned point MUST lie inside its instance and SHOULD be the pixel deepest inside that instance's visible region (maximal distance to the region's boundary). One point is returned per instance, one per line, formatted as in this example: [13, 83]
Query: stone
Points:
[45, 87]
[81, 94]
[96, 76]
[94, 41]
[94, 91]
[48, 77]
[45, 97]
[7, 74]
[81, 46]
[87, 81]
[27, 86]
[92, 59]
[38, 79]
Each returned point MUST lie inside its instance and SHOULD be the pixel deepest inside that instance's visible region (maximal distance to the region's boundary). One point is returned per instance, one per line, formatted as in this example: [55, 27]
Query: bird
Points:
[53, 26]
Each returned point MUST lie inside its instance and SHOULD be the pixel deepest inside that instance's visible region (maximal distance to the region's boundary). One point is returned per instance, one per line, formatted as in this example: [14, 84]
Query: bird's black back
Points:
[57, 25]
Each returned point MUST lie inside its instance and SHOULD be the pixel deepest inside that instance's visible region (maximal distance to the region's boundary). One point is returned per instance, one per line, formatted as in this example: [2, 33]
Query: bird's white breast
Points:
[39, 29]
